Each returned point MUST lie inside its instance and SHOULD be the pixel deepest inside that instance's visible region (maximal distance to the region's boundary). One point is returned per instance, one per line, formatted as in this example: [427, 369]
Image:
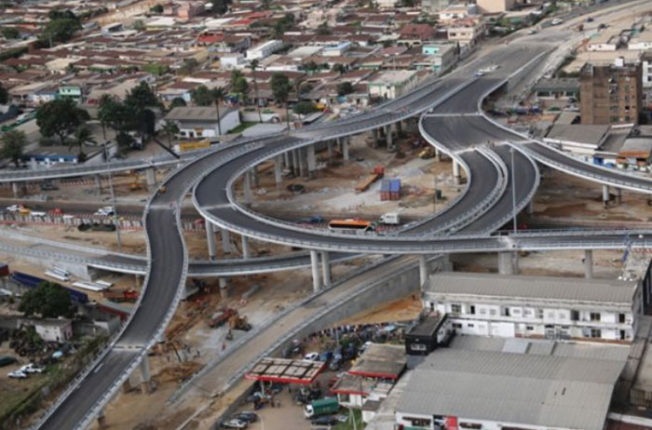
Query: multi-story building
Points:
[646, 76]
[264, 50]
[494, 6]
[537, 307]
[392, 84]
[434, 6]
[610, 94]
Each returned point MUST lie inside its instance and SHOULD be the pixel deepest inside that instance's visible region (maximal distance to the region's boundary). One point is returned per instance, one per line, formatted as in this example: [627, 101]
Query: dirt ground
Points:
[332, 192]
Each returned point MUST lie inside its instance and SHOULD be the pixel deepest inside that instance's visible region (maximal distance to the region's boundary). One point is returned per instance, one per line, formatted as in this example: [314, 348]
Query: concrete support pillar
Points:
[376, 137]
[210, 239]
[326, 268]
[312, 161]
[247, 187]
[316, 279]
[437, 154]
[588, 263]
[224, 288]
[245, 247]
[303, 171]
[295, 163]
[399, 129]
[423, 272]
[145, 374]
[98, 183]
[605, 194]
[254, 176]
[345, 149]
[101, 420]
[619, 196]
[508, 263]
[278, 177]
[456, 172]
[150, 177]
[226, 241]
[530, 207]
[14, 189]
[389, 135]
[329, 149]
[286, 160]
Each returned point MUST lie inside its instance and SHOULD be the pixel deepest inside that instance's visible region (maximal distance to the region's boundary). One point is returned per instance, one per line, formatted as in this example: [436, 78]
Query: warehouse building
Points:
[201, 122]
[462, 389]
[536, 306]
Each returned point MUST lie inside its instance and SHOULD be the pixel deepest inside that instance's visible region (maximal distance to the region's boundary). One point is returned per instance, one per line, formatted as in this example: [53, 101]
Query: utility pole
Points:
[115, 210]
[511, 152]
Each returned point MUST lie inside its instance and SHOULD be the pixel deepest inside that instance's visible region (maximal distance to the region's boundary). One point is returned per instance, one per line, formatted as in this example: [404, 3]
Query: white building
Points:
[201, 122]
[233, 61]
[386, 4]
[646, 72]
[537, 307]
[641, 42]
[54, 330]
[264, 50]
[494, 390]
[605, 41]
[392, 84]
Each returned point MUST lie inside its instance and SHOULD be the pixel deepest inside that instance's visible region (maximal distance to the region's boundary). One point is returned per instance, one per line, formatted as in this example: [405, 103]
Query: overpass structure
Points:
[492, 155]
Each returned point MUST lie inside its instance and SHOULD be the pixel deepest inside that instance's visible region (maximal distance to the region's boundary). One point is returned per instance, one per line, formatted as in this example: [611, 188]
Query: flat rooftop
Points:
[380, 361]
[427, 326]
[285, 370]
[533, 287]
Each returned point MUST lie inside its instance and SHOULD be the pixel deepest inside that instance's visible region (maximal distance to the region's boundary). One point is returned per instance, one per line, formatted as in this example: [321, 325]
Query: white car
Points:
[17, 374]
[13, 208]
[311, 356]
[30, 368]
[105, 211]
[557, 21]
[235, 424]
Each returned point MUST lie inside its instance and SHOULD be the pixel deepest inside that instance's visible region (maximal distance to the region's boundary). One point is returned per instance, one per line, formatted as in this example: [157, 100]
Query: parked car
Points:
[327, 420]
[105, 211]
[17, 374]
[234, 424]
[48, 186]
[6, 360]
[30, 368]
[246, 416]
[312, 356]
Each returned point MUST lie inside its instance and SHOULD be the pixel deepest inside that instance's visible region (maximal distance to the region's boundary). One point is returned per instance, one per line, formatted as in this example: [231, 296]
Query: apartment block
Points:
[536, 306]
[610, 94]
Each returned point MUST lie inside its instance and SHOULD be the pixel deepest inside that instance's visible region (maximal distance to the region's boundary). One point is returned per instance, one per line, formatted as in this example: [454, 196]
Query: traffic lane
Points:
[614, 177]
[165, 274]
[526, 174]
[484, 179]
[80, 401]
[466, 101]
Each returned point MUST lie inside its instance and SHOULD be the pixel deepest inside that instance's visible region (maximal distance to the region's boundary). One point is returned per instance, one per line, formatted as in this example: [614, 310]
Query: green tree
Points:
[253, 66]
[344, 88]
[339, 68]
[81, 137]
[304, 108]
[220, 7]
[177, 102]
[235, 75]
[241, 87]
[4, 95]
[323, 29]
[47, 300]
[114, 114]
[13, 144]
[189, 65]
[10, 33]
[124, 140]
[139, 25]
[60, 117]
[157, 8]
[281, 88]
[170, 130]
[201, 96]
[61, 28]
[218, 95]
[142, 96]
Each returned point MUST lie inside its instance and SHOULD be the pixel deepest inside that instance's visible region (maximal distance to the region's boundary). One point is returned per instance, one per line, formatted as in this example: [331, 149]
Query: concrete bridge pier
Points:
[150, 178]
[329, 150]
[245, 247]
[146, 375]
[389, 134]
[295, 163]
[508, 263]
[456, 172]
[226, 241]
[101, 420]
[399, 129]
[224, 288]
[619, 196]
[312, 161]
[605, 195]
[376, 137]
[423, 272]
[254, 176]
[588, 263]
[314, 263]
[278, 174]
[303, 168]
[14, 189]
[210, 238]
[247, 187]
[326, 268]
[345, 149]
[98, 184]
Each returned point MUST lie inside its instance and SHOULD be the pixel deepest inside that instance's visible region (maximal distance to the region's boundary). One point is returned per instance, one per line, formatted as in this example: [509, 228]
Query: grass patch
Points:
[348, 425]
[242, 127]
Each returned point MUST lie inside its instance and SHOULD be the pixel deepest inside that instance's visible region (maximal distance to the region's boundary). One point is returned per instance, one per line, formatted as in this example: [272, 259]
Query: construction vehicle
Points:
[236, 322]
[221, 317]
[120, 296]
[377, 173]
[427, 153]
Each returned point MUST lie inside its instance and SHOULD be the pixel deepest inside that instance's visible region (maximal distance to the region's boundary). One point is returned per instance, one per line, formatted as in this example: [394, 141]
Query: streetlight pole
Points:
[511, 152]
[115, 210]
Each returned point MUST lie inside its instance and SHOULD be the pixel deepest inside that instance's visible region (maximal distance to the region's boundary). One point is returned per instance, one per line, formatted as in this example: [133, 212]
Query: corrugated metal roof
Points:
[533, 287]
[513, 388]
[183, 113]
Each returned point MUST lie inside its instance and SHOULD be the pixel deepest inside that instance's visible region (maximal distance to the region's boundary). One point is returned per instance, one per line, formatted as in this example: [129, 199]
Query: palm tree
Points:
[253, 66]
[81, 137]
[218, 95]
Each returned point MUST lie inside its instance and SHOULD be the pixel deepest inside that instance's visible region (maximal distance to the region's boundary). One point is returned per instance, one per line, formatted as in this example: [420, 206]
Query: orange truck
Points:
[376, 174]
